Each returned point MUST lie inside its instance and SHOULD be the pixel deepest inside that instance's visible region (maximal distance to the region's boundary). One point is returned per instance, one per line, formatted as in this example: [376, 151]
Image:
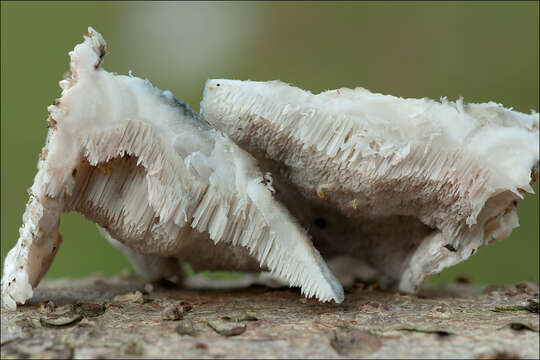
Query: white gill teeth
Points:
[408, 186]
[159, 182]
[401, 187]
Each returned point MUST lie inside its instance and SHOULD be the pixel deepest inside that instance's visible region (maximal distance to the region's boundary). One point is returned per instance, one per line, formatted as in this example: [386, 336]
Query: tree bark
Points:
[121, 316]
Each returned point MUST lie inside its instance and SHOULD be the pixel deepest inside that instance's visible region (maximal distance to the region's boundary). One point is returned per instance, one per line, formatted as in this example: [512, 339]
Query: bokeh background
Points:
[482, 51]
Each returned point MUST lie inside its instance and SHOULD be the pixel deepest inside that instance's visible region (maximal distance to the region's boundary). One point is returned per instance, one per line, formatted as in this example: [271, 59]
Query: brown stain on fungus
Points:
[104, 168]
[101, 54]
[43, 154]
[265, 121]
[51, 123]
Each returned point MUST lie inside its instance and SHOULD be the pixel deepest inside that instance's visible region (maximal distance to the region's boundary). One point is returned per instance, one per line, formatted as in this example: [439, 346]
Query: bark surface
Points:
[122, 316]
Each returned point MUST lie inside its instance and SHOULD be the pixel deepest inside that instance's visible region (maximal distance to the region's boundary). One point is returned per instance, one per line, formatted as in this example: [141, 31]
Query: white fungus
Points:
[405, 187]
[388, 188]
[163, 186]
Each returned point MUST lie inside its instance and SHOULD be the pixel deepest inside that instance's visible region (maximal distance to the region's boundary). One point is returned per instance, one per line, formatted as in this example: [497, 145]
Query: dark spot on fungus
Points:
[101, 50]
[450, 247]
[320, 223]
[74, 172]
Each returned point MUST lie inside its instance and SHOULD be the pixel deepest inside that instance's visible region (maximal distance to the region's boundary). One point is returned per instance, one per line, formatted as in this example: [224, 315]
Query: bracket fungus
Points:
[386, 187]
[402, 188]
[163, 186]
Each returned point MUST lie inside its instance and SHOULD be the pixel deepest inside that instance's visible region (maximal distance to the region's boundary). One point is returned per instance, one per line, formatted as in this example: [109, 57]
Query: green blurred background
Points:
[482, 51]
